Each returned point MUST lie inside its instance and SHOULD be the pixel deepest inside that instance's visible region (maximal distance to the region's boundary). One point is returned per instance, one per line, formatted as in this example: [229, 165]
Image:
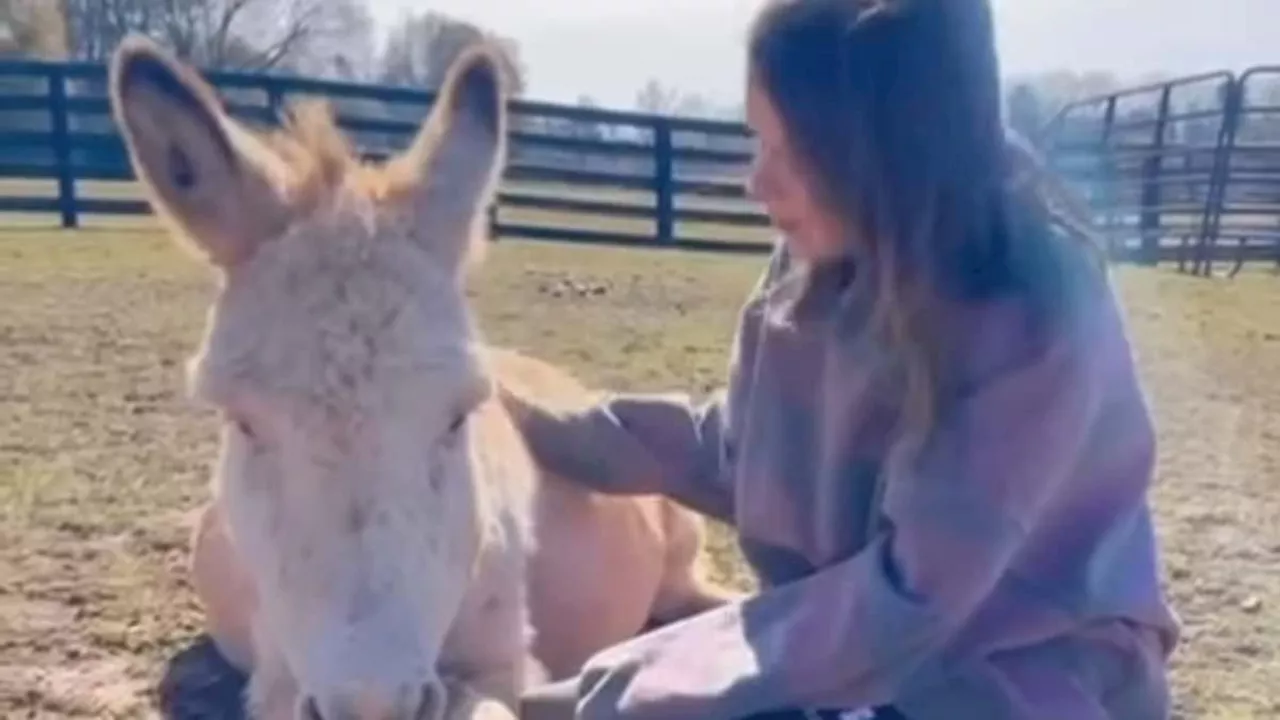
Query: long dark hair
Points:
[894, 109]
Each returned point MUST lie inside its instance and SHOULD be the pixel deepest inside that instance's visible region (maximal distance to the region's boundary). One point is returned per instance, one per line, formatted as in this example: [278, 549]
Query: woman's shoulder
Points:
[1068, 313]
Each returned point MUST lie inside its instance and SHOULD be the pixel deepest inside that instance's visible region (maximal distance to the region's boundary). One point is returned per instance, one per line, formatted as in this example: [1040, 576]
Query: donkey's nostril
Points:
[407, 702]
[432, 704]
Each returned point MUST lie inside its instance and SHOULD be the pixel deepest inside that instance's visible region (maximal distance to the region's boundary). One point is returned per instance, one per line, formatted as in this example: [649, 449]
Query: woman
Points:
[933, 444]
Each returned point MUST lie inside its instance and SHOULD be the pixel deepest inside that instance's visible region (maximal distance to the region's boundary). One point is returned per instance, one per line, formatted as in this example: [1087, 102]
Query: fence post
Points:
[664, 180]
[59, 126]
[1108, 176]
[275, 101]
[1234, 95]
[1151, 226]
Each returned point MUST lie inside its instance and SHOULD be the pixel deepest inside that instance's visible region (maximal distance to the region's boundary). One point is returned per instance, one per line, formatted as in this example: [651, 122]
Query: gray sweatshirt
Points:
[1011, 572]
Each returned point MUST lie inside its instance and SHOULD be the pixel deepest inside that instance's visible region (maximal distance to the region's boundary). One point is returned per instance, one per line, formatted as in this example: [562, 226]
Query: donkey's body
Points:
[375, 511]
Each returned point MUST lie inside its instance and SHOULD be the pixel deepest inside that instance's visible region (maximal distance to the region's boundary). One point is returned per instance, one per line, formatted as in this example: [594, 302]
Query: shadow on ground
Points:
[199, 684]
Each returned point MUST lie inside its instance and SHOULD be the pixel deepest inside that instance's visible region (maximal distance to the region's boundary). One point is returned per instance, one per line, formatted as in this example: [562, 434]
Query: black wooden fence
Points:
[1186, 171]
[575, 174]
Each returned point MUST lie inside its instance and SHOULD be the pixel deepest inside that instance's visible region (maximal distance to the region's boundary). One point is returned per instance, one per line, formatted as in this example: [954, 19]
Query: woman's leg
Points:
[558, 700]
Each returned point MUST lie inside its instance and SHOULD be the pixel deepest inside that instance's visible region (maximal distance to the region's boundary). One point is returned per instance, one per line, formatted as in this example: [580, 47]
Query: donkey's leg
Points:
[682, 590]
[223, 587]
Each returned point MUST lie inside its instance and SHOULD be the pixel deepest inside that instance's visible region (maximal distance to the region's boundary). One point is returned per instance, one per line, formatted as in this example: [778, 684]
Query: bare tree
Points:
[657, 99]
[340, 42]
[254, 34]
[422, 46]
[28, 28]
[1025, 111]
[230, 34]
[302, 35]
[33, 28]
[694, 105]
[1058, 87]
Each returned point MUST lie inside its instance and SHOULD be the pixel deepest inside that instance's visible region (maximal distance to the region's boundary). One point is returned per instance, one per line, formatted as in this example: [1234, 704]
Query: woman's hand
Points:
[515, 404]
[629, 444]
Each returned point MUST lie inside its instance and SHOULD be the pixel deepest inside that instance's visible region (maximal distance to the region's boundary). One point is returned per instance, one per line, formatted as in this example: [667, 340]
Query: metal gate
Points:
[1184, 171]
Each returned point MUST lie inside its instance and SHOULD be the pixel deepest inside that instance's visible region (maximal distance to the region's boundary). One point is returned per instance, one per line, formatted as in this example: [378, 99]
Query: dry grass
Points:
[101, 456]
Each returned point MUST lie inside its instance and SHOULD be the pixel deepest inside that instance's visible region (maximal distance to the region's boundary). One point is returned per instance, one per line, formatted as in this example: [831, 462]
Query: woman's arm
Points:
[636, 444]
[656, 443]
[851, 635]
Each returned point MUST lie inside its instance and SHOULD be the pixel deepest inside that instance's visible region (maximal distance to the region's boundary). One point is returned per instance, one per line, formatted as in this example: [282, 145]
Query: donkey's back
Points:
[603, 566]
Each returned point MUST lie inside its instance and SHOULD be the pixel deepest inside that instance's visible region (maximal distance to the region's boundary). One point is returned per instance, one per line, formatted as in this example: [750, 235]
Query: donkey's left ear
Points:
[456, 161]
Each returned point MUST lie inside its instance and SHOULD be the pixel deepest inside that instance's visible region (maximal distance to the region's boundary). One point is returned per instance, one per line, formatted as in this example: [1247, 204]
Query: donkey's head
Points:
[340, 353]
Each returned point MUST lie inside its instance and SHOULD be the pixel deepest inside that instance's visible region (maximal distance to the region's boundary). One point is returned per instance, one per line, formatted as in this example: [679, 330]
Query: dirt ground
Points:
[102, 458]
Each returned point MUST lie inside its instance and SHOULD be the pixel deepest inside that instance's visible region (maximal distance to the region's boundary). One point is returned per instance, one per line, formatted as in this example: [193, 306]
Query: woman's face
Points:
[778, 182]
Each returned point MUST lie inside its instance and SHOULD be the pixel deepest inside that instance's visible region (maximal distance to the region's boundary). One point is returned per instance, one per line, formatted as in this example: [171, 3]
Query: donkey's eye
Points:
[453, 434]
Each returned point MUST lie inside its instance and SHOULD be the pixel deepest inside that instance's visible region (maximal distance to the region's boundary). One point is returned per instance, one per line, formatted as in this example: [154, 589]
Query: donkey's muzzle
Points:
[424, 702]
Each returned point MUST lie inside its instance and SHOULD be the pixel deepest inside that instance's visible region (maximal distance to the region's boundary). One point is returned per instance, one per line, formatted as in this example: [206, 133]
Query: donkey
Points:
[380, 543]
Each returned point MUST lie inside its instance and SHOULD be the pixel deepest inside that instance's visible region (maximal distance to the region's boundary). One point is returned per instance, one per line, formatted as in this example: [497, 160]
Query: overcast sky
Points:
[607, 49]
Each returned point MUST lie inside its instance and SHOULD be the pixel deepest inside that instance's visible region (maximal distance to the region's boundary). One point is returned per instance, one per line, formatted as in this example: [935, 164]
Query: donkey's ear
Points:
[205, 175]
[457, 159]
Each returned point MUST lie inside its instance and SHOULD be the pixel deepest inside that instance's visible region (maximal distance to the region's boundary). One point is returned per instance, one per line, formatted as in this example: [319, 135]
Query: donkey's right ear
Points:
[208, 177]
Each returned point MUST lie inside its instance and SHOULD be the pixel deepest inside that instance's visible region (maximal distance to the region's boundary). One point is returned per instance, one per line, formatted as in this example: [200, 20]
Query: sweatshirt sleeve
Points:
[654, 443]
[852, 634]
[639, 444]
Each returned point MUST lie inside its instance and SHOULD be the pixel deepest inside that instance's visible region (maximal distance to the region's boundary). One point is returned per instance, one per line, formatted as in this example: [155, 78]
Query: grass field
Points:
[102, 458]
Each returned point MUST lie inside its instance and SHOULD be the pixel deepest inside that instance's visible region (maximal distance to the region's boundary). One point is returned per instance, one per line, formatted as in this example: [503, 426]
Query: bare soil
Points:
[102, 458]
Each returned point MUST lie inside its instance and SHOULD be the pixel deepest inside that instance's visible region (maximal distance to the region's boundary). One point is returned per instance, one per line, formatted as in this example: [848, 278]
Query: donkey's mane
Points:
[319, 160]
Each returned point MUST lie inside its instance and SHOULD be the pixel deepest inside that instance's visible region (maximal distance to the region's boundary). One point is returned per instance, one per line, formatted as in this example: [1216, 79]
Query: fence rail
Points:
[575, 174]
[1185, 171]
